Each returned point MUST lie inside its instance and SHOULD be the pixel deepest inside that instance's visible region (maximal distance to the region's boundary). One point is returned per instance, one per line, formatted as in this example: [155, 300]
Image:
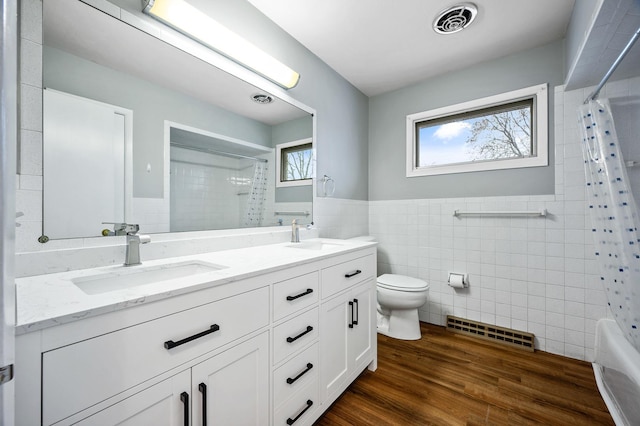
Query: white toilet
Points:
[399, 298]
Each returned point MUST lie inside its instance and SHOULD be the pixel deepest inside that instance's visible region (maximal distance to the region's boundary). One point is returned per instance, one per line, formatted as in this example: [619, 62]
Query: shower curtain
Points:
[614, 216]
[257, 194]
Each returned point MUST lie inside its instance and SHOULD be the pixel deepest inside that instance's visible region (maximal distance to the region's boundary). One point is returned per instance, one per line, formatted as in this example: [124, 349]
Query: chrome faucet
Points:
[295, 231]
[132, 257]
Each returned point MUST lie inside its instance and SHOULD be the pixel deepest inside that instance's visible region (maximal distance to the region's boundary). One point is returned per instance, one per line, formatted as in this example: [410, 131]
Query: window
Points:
[294, 163]
[499, 132]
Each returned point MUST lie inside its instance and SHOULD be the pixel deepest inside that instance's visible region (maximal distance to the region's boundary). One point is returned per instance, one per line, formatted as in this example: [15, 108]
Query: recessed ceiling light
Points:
[455, 18]
[262, 98]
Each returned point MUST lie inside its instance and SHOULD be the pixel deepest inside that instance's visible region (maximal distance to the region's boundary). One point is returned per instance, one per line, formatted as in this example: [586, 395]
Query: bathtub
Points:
[617, 371]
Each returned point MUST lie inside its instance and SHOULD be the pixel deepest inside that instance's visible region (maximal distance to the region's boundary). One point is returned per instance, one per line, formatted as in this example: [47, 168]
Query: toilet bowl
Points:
[399, 298]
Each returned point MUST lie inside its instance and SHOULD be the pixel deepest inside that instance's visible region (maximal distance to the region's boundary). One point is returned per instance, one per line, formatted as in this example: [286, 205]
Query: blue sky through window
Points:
[494, 136]
[445, 143]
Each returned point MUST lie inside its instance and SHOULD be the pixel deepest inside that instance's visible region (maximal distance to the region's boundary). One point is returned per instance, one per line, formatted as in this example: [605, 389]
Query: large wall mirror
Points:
[139, 131]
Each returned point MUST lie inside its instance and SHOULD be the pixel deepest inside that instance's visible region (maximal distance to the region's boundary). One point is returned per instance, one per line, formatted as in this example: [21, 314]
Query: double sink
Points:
[130, 277]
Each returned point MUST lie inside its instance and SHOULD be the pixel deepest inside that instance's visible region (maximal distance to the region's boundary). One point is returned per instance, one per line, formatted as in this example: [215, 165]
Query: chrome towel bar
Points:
[541, 213]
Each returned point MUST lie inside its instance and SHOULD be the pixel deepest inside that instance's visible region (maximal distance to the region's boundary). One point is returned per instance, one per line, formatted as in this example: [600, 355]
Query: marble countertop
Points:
[47, 300]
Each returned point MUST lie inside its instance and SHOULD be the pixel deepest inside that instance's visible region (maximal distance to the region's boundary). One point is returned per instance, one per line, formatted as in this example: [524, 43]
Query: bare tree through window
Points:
[501, 135]
[296, 161]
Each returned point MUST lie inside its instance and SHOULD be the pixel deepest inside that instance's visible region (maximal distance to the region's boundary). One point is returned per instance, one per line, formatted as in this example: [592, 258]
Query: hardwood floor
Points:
[450, 379]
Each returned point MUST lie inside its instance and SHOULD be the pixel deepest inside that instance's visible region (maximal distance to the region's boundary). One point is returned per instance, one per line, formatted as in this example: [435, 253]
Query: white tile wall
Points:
[532, 274]
[207, 191]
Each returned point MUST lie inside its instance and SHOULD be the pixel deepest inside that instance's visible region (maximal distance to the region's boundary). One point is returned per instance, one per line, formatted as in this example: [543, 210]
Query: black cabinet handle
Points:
[170, 344]
[304, 293]
[203, 390]
[353, 274]
[351, 321]
[293, 339]
[302, 373]
[184, 397]
[291, 421]
[355, 321]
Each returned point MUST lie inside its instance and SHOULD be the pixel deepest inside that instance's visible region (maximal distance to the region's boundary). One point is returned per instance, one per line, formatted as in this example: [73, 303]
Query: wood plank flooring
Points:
[451, 379]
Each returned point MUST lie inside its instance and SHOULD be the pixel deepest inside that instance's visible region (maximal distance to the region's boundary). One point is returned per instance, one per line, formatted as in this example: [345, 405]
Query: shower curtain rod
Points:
[624, 52]
[213, 151]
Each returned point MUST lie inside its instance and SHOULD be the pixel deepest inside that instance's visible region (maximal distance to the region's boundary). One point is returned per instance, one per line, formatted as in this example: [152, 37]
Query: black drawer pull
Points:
[291, 421]
[351, 322]
[203, 390]
[353, 274]
[170, 344]
[293, 339]
[355, 321]
[302, 373]
[304, 293]
[184, 397]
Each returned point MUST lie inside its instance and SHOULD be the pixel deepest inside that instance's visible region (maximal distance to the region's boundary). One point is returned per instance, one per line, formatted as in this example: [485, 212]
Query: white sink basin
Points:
[134, 276]
[315, 245]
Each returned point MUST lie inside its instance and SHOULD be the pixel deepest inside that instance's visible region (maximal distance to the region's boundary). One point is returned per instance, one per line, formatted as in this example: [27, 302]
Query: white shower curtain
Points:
[614, 216]
[257, 194]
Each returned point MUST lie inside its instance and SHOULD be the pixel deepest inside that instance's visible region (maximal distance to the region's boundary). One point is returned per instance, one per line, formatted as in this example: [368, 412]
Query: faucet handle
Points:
[131, 229]
[121, 228]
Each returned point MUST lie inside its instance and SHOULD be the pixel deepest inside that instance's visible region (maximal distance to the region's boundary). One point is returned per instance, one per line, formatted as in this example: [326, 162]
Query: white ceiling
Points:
[382, 45]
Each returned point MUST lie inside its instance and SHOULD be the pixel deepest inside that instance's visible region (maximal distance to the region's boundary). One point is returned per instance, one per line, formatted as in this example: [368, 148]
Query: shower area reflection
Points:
[217, 183]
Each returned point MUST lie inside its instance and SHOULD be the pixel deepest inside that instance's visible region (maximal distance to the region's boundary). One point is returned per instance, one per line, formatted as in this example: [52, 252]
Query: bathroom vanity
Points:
[255, 336]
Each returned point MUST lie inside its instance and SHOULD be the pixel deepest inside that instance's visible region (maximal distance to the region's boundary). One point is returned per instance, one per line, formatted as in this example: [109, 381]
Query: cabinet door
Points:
[232, 388]
[360, 335]
[160, 404]
[335, 316]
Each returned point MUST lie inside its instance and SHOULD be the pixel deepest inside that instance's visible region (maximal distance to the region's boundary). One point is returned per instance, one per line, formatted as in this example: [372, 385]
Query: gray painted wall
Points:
[290, 131]
[387, 118]
[151, 105]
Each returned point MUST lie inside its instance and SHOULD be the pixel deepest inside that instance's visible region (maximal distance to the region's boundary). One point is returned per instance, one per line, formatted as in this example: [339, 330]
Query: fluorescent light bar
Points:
[195, 24]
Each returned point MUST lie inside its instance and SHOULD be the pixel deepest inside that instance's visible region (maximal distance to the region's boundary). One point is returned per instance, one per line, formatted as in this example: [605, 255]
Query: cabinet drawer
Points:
[300, 408]
[294, 334]
[77, 376]
[295, 375]
[342, 276]
[294, 295]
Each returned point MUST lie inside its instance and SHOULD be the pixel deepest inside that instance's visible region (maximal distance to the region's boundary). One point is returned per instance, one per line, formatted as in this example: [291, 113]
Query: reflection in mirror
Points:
[172, 98]
[234, 174]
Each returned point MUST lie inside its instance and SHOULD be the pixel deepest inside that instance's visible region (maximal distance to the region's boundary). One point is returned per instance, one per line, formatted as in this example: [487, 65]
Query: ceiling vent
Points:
[455, 18]
[262, 98]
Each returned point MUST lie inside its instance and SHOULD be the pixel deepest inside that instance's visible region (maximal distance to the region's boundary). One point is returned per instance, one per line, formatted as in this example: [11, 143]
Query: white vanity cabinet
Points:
[159, 404]
[233, 388]
[275, 348]
[295, 350]
[348, 327]
[226, 389]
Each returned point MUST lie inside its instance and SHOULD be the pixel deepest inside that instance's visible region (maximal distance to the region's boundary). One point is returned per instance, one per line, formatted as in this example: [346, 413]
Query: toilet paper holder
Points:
[458, 280]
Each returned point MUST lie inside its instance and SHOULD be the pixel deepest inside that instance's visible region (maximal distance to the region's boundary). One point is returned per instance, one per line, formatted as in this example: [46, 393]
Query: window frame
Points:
[539, 127]
[289, 183]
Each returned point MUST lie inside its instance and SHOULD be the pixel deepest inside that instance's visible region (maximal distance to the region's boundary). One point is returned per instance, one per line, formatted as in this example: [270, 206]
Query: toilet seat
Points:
[401, 283]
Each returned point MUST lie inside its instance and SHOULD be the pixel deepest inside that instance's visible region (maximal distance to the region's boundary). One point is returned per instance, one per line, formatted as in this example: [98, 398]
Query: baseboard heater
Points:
[493, 333]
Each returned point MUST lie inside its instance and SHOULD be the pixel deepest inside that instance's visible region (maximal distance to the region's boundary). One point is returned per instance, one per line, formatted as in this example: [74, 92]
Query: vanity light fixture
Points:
[192, 22]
